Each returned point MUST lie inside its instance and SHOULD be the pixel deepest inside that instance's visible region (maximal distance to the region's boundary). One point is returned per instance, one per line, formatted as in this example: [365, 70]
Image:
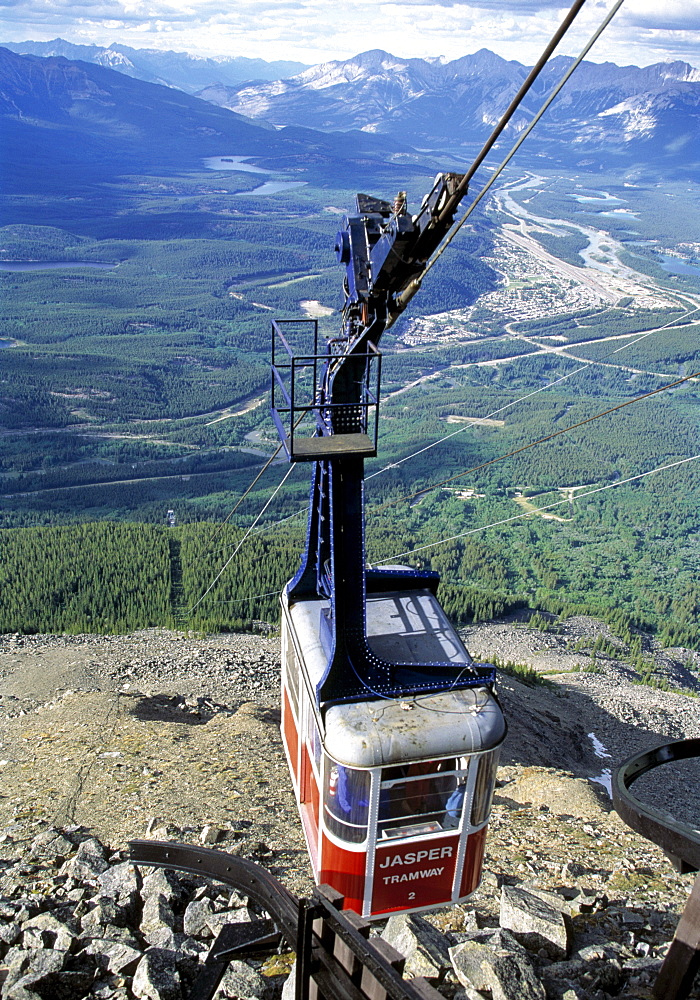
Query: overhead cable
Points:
[532, 444]
[505, 520]
[240, 500]
[538, 510]
[473, 421]
[238, 547]
[555, 93]
[515, 103]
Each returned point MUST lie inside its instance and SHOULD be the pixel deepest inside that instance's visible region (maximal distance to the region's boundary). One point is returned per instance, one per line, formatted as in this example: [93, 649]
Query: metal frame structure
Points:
[360, 418]
[384, 250]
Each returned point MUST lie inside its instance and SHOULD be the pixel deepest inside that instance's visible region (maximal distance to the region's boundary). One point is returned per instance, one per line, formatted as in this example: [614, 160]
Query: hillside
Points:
[157, 734]
[73, 124]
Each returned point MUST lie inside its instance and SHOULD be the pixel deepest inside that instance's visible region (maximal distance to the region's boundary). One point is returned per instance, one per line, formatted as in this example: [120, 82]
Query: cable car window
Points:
[484, 786]
[455, 803]
[346, 802]
[292, 676]
[314, 744]
[420, 798]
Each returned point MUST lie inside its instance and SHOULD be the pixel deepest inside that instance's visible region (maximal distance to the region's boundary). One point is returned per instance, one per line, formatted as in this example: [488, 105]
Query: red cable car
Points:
[394, 793]
[391, 730]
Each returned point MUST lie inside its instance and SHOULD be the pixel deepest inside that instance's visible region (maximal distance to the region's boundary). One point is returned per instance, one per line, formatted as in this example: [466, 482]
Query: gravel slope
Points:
[176, 737]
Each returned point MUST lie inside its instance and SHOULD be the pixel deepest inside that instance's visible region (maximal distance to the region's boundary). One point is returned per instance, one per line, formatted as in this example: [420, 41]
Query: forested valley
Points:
[134, 402]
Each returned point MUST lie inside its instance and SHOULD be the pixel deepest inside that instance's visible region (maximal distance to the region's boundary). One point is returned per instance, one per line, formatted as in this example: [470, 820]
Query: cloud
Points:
[671, 15]
[316, 30]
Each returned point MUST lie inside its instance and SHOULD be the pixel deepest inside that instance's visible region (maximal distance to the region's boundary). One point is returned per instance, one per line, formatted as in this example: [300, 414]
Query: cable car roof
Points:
[409, 626]
[424, 727]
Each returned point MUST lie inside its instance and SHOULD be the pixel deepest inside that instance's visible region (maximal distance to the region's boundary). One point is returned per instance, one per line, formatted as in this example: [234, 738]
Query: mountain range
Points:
[172, 69]
[633, 111]
[71, 123]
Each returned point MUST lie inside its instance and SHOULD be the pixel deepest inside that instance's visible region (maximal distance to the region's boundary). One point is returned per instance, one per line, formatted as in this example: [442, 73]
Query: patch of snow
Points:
[604, 779]
[598, 749]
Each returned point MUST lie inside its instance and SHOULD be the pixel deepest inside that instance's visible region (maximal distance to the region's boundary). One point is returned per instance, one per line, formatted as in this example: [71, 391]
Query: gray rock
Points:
[9, 933]
[509, 975]
[157, 914]
[604, 974]
[197, 916]
[234, 900]
[21, 990]
[163, 937]
[105, 913]
[115, 956]
[51, 844]
[504, 940]
[191, 948]
[219, 919]
[88, 863]
[569, 906]
[119, 880]
[467, 959]
[535, 923]
[156, 976]
[240, 982]
[25, 969]
[423, 945]
[16, 961]
[459, 937]
[161, 883]
[46, 931]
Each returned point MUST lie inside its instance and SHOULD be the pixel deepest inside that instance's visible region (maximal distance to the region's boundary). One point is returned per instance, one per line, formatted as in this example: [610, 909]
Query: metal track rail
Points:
[681, 844]
[335, 958]
[257, 883]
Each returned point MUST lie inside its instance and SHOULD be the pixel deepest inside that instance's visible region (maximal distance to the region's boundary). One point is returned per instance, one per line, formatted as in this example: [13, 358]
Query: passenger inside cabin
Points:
[420, 793]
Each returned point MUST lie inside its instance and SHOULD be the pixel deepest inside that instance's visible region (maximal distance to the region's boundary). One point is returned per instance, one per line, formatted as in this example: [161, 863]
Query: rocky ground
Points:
[173, 736]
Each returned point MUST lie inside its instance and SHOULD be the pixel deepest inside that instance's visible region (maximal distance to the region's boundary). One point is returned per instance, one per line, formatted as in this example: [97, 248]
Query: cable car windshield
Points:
[421, 798]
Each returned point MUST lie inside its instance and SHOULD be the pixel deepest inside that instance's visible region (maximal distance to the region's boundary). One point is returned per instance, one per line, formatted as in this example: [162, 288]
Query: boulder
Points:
[534, 922]
[500, 966]
[157, 977]
[46, 931]
[425, 948]
[88, 863]
[240, 982]
[115, 956]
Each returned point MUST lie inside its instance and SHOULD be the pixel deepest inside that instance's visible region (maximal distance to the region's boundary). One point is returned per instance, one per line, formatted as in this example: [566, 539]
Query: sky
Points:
[313, 31]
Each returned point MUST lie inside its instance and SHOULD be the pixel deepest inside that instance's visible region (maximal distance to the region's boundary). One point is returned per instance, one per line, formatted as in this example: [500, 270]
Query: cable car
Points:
[391, 730]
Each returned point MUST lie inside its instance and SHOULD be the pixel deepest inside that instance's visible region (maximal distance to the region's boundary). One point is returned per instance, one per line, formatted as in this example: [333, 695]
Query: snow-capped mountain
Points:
[431, 103]
[171, 69]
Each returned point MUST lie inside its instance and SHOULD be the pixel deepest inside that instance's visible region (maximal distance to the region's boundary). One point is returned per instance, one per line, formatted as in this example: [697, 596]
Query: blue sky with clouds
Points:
[312, 31]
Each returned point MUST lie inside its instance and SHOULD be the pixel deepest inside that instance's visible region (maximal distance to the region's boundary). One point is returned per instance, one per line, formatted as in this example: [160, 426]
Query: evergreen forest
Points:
[134, 406]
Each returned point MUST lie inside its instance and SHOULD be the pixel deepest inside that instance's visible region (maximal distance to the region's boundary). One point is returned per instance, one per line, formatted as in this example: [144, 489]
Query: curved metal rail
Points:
[257, 883]
[681, 843]
[335, 958]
